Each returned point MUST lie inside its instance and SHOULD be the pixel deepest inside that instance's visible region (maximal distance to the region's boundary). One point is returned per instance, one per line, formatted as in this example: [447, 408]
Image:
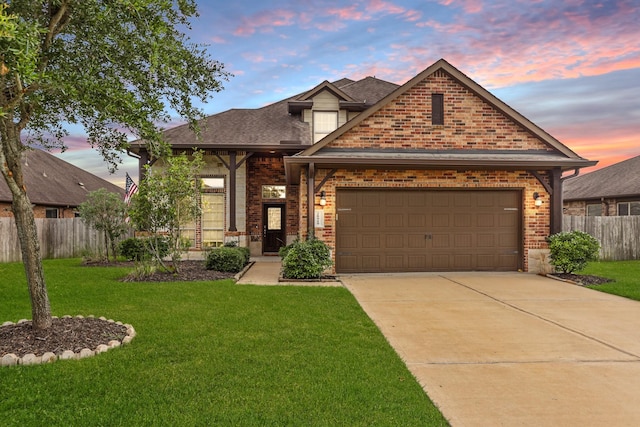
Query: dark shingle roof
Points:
[53, 182]
[618, 180]
[269, 125]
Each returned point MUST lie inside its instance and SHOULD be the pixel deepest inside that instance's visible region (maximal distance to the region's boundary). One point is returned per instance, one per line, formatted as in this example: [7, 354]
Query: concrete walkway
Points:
[506, 349]
[266, 271]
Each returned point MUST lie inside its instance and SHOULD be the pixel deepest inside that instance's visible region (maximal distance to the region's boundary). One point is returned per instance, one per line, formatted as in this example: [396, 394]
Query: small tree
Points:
[570, 251]
[106, 211]
[167, 199]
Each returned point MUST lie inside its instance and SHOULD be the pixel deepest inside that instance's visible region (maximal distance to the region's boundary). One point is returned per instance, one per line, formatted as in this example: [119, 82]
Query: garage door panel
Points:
[394, 220]
[462, 219]
[349, 241]
[462, 200]
[395, 241]
[417, 262]
[416, 221]
[486, 240]
[370, 241]
[371, 263]
[348, 219]
[485, 220]
[394, 263]
[427, 230]
[371, 220]
[371, 199]
[440, 220]
[416, 241]
[395, 199]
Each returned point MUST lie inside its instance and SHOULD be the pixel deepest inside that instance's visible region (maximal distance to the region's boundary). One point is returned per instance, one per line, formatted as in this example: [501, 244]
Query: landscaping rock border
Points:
[31, 359]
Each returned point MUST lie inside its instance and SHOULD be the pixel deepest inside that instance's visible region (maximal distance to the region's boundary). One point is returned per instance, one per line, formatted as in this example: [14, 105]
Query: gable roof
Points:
[322, 153]
[618, 180]
[463, 80]
[51, 181]
[270, 127]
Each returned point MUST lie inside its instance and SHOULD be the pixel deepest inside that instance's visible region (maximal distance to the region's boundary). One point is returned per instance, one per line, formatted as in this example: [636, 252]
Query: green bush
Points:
[571, 251]
[227, 259]
[139, 249]
[306, 260]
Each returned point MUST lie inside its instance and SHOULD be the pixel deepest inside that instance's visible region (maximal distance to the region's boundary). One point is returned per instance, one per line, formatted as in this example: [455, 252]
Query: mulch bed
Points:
[187, 272]
[582, 279]
[78, 333]
[64, 334]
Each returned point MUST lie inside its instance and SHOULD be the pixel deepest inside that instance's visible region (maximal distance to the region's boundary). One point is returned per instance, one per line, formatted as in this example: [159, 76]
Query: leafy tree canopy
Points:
[111, 66]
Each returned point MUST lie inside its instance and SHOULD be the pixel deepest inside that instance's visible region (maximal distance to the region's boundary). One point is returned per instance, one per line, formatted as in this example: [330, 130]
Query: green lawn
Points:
[626, 276]
[210, 353]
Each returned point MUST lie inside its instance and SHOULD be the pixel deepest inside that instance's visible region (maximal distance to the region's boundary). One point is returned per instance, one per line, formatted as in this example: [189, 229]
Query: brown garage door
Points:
[417, 230]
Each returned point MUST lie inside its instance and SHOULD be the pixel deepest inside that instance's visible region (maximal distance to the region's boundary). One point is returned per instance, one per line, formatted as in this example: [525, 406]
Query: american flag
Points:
[130, 189]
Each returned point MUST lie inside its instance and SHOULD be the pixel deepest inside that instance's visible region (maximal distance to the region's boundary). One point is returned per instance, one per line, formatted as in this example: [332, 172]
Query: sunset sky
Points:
[572, 67]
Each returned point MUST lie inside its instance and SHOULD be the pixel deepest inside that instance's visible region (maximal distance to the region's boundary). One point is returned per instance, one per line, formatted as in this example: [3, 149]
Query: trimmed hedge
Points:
[305, 260]
[572, 250]
[228, 259]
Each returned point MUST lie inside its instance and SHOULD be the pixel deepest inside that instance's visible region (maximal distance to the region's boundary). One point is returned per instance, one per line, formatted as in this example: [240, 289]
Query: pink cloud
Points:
[218, 40]
[265, 21]
[469, 6]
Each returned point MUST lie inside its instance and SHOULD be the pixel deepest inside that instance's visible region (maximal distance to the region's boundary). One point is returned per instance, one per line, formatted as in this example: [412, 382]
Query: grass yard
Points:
[210, 353]
[626, 276]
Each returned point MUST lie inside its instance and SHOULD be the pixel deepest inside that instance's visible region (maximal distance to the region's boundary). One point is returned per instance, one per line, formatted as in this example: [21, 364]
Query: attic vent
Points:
[437, 109]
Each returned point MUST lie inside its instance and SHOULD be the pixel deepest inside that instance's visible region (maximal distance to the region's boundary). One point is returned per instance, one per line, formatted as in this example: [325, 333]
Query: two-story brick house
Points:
[437, 174]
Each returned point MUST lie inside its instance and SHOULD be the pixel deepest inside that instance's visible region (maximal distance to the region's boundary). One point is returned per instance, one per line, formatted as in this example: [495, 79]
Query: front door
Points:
[273, 228]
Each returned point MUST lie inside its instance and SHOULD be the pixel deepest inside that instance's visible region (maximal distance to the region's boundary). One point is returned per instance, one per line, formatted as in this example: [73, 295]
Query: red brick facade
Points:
[470, 123]
[268, 170]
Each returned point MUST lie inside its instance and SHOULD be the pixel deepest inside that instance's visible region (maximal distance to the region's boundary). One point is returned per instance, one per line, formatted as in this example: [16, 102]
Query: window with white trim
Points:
[324, 122]
[211, 221]
[628, 208]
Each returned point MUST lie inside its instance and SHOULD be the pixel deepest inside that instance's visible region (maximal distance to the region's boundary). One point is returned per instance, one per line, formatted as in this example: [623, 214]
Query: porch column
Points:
[232, 191]
[556, 201]
[311, 185]
[142, 161]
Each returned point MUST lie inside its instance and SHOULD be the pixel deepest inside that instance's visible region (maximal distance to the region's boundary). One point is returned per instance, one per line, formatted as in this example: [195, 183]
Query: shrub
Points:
[139, 249]
[227, 259]
[306, 260]
[571, 251]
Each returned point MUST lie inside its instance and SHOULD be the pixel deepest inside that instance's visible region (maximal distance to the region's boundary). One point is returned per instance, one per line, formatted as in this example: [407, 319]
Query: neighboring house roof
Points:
[618, 180]
[271, 126]
[557, 155]
[51, 181]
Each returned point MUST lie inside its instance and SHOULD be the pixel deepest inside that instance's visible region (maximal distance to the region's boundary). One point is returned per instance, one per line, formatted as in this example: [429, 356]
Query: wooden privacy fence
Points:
[59, 238]
[619, 236]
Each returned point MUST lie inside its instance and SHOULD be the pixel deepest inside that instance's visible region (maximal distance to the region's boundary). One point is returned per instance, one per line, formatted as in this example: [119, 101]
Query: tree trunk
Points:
[11, 166]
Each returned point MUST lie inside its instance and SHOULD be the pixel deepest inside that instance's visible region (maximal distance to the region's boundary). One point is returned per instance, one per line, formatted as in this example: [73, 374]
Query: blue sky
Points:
[572, 67]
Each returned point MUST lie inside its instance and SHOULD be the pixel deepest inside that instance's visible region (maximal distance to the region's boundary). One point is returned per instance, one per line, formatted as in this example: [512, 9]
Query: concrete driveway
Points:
[506, 349]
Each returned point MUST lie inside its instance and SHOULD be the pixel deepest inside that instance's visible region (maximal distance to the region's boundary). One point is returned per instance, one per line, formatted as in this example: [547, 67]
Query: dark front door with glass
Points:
[273, 228]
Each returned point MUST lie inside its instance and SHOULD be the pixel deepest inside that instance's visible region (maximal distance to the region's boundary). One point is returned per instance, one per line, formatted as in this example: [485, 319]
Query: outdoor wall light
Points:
[323, 198]
[538, 200]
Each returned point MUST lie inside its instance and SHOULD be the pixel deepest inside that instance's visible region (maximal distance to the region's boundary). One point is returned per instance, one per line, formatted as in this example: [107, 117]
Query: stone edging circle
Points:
[31, 359]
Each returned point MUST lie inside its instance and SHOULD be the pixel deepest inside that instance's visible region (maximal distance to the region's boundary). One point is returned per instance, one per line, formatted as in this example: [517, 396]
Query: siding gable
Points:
[470, 123]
